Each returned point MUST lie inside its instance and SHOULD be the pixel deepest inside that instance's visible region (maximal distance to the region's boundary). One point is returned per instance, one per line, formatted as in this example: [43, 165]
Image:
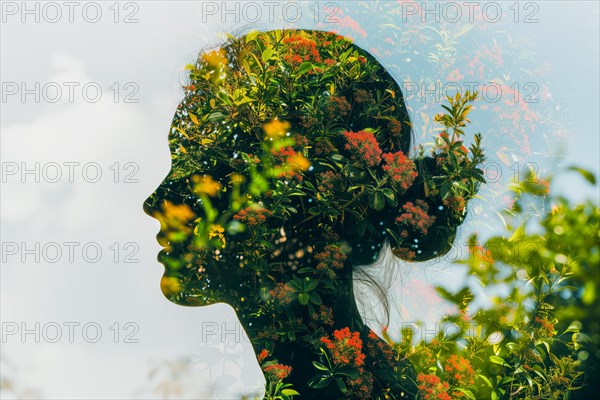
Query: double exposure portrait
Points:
[300, 200]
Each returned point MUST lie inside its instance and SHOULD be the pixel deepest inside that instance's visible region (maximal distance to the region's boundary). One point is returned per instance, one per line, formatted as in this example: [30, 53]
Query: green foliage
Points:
[528, 344]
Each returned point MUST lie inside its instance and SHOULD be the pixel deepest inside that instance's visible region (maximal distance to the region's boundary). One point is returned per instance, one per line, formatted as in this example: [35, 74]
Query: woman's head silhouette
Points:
[290, 169]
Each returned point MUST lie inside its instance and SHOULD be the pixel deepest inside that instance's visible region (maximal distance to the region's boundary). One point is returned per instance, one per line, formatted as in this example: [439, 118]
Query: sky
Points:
[81, 310]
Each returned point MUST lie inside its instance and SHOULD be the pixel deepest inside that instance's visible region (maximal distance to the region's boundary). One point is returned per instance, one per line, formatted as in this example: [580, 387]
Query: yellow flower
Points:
[215, 58]
[217, 231]
[298, 162]
[174, 217]
[237, 178]
[206, 185]
[276, 128]
[170, 285]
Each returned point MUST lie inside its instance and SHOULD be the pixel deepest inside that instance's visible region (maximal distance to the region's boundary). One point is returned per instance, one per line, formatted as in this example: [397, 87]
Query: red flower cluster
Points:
[323, 316]
[324, 147]
[291, 162]
[348, 21]
[283, 153]
[331, 256]
[281, 293]
[400, 169]
[415, 215]
[459, 371]
[395, 127]
[301, 140]
[518, 120]
[454, 76]
[482, 254]
[345, 348]
[538, 187]
[432, 387]
[309, 121]
[337, 107]
[329, 181]
[303, 49]
[252, 216]
[363, 147]
[361, 387]
[378, 349]
[545, 184]
[404, 253]
[268, 333]
[546, 326]
[455, 203]
[363, 96]
[263, 354]
[277, 372]
[293, 59]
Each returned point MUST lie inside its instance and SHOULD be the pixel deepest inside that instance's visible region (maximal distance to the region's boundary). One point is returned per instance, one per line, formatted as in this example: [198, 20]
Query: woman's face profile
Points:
[288, 157]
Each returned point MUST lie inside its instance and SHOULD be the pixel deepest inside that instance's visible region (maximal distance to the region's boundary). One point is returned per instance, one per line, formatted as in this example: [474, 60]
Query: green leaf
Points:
[348, 371]
[295, 284]
[318, 381]
[466, 392]
[215, 115]
[251, 36]
[267, 54]
[487, 380]
[341, 385]
[589, 176]
[518, 234]
[306, 270]
[572, 328]
[303, 298]
[289, 392]
[304, 67]
[310, 284]
[314, 211]
[445, 190]
[390, 195]
[320, 366]
[315, 298]
[376, 201]
[499, 361]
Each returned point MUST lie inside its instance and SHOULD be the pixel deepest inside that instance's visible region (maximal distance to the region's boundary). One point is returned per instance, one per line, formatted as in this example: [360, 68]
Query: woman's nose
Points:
[152, 203]
[148, 208]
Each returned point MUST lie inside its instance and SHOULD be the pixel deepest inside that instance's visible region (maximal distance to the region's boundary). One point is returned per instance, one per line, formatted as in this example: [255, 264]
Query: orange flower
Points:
[432, 387]
[482, 254]
[459, 371]
[345, 348]
[277, 372]
[281, 293]
[263, 354]
[330, 257]
[415, 215]
[400, 169]
[364, 147]
[253, 215]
